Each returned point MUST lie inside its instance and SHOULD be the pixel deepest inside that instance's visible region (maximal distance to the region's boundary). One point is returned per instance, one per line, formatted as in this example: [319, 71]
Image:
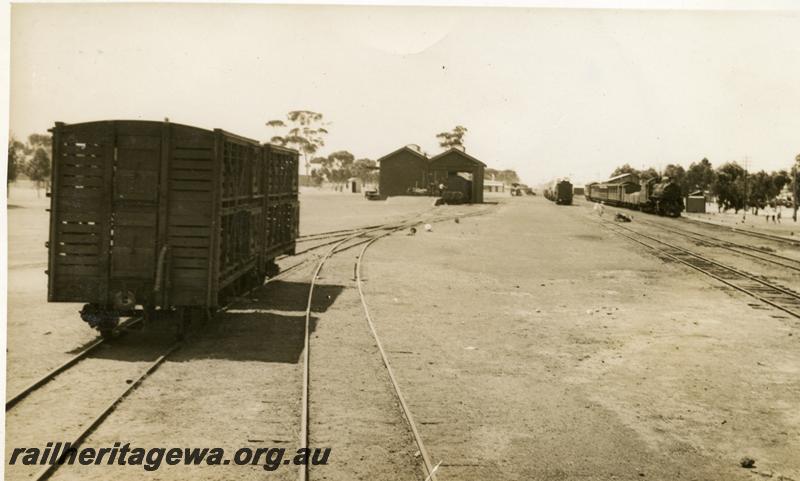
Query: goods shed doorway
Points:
[458, 172]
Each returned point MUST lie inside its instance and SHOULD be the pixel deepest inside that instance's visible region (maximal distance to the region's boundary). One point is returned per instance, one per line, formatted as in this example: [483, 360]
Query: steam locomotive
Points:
[559, 191]
[648, 195]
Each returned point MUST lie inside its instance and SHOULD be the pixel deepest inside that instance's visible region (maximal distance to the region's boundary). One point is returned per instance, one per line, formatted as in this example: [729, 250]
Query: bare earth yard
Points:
[530, 344]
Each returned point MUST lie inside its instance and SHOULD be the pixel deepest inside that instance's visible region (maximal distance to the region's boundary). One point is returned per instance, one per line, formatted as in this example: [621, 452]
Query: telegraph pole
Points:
[746, 162]
[795, 186]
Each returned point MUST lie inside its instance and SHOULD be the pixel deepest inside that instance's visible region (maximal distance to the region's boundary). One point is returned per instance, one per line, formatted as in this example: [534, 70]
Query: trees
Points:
[366, 170]
[16, 158]
[305, 132]
[31, 158]
[341, 165]
[700, 176]
[454, 138]
[507, 176]
[624, 169]
[642, 174]
[729, 186]
[38, 168]
[649, 173]
[761, 190]
[781, 179]
[336, 167]
[795, 186]
[36, 141]
[677, 174]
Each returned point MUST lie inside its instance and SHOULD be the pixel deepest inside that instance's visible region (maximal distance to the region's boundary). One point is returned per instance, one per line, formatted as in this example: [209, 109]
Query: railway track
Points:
[333, 233]
[49, 470]
[354, 239]
[762, 235]
[769, 293]
[339, 246]
[93, 346]
[99, 341]
[407, 223]
[103, 414]
[742, 249]
[430, 469]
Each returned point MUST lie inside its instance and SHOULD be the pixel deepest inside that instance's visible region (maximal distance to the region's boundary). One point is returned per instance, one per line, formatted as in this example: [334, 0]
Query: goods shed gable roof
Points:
[406, 148]
[460, 153]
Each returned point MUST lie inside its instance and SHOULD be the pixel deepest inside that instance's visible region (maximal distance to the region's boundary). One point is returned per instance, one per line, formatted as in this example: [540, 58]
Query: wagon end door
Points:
[135, 205]
[83, 158]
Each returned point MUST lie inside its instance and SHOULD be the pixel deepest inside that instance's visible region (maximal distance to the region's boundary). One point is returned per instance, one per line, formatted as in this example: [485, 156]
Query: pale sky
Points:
[547, 92]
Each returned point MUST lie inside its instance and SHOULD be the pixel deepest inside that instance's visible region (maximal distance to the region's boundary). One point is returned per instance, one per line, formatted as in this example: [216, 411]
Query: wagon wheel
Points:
[183, 320]
[107, 333]
[149, 316]
[108, 326]
[272, 268]
[201, 316]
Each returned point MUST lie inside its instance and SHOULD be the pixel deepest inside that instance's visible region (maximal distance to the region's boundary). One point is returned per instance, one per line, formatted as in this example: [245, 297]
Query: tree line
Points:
[30, 158]
[732, 185]
[303, 130]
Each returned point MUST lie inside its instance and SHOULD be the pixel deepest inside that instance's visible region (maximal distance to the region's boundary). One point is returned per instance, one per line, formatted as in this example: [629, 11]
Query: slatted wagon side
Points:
[162, 215]
[282, 206]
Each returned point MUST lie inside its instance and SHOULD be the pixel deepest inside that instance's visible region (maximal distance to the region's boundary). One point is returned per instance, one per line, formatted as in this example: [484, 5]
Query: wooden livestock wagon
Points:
[162, 216]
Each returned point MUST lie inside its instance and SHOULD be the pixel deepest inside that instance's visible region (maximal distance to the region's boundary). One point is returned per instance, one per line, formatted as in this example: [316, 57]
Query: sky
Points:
[547, 92]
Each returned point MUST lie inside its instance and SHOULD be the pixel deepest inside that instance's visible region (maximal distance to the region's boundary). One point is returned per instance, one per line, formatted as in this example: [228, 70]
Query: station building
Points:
[494, 186]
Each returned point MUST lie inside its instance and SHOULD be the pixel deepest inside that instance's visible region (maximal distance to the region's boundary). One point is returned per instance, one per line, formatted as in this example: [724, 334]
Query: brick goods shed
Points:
[402, 171]
[443, 168]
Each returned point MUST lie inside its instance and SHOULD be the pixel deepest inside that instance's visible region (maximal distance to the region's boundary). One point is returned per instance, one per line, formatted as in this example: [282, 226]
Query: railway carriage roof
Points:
[623, 179]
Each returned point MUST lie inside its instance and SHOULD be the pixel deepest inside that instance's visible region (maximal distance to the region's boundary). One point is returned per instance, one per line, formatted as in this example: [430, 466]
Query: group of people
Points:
[774, 212]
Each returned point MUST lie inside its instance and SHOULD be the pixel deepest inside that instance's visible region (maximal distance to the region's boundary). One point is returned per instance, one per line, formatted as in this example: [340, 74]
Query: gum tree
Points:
[453, 138]
[303, 130]
[700, 175]
[16, 157]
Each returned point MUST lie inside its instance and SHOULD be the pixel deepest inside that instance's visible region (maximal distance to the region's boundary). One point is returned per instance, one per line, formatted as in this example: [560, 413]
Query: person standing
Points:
[599, 207]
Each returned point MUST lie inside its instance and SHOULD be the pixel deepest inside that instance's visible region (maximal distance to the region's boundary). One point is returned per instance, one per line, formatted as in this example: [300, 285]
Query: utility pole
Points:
[795, 186]
[746, 162]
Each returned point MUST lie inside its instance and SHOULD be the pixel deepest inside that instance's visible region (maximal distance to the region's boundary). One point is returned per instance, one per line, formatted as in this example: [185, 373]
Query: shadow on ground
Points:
[269, 326]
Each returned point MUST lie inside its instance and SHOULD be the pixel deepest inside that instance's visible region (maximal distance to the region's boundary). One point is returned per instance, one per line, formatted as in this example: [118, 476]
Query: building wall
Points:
[696, 204]
[400, 172]
[454, 162]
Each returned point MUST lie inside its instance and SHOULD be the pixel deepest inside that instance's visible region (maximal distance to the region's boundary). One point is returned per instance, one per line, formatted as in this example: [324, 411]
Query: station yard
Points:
[530, 343]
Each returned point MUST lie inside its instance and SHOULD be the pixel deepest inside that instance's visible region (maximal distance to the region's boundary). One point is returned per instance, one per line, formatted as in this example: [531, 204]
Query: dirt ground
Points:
[530, 344]
[536, 346]
[756, 222]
